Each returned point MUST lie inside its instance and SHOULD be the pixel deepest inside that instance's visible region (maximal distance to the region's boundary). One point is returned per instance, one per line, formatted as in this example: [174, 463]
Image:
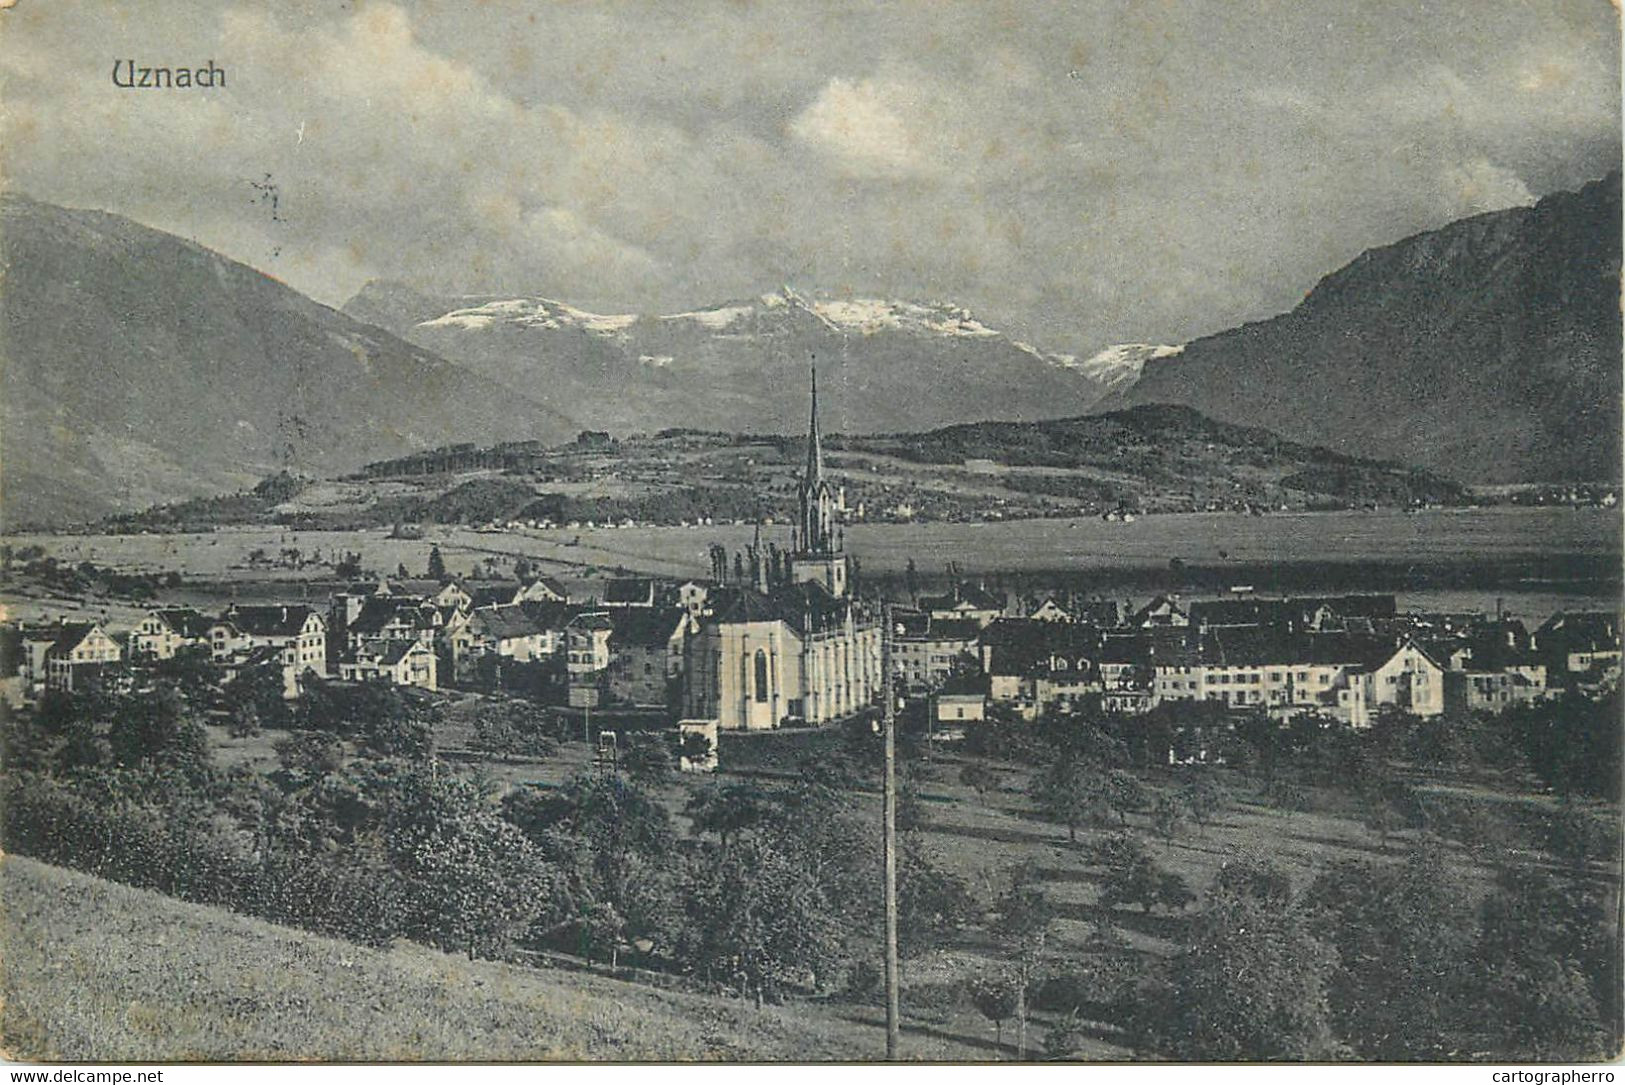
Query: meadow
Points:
[98, 972]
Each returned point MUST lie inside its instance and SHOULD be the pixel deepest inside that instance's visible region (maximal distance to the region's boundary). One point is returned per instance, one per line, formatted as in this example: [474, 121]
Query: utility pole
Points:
[889, 834]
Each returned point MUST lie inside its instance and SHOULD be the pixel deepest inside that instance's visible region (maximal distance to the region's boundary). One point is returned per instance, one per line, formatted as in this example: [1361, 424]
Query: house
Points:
[34, 643]
[587, 657]
[1313, 613]
[166, 631]
[1050, 611]
[1494, 691]
[543, 589]
[282, 659]
[388, 619]
[512, 631]
[1285, 674]
[960, 703]
[437, 593]
[629, 592]
[501, 594]
[401, 662]
[692, 595]
[1577, 645]
[927, 651]
[80, 650]
[245, 627]
[1126, 674]
[646, 654]
[1410, 680]
[966, 601]
[1160, 613]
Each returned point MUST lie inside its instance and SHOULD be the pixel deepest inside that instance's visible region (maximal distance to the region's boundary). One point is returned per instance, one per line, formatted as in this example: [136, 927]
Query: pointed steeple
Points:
[815, 447]
[817, 519]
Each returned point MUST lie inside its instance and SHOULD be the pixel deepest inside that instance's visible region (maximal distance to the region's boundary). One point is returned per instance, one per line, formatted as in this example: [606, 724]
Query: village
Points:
[779, 638]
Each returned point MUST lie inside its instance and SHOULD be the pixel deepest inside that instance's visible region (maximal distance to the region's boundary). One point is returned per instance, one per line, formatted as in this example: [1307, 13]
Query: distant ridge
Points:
[742, 365]
[1488, 350]
[140, 367]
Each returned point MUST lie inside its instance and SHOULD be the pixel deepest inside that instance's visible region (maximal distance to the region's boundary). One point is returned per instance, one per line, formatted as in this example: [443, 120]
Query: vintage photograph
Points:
[798, 532]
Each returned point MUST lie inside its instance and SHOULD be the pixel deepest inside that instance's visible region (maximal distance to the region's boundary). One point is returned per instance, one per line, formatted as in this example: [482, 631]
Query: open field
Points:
[1553, 552]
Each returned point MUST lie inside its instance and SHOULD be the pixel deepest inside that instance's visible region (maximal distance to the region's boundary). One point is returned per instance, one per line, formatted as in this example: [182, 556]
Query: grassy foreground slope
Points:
[95, 971]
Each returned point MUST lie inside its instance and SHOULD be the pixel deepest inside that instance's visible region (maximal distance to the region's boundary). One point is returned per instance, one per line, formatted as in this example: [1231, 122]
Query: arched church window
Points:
[761, 676]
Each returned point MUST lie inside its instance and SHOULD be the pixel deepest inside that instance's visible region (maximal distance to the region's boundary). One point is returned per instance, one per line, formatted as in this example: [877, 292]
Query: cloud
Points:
[1469, 188]
[1077, 173]
[861, 127]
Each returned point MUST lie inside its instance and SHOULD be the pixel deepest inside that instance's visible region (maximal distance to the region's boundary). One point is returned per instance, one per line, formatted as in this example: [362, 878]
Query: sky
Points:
[1075, 173]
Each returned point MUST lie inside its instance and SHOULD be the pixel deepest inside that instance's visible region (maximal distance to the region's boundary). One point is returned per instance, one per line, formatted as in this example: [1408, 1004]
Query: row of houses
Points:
[627, 649]
[1347, 657]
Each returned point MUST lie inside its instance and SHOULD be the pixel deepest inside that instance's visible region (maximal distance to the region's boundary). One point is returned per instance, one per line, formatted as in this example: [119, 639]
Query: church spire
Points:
[815, 447]
[817, 500]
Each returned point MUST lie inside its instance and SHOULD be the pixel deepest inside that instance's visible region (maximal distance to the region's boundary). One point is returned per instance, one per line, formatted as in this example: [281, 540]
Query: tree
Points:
[1549, 970]
[1131, 877]
[1383, 818]
[1575, 835]
[244, 721]
[979, 778]
[1024, 920]
[154, 730]
[1248, 984]
[1168, 817]
[437, 564]
[1285, 796]
[647, 759]
[727, 810]
[1064, 1037]
[930, 901]
[694, 748]
[1069, 790]
[1204, 796]
[994, 997]
[611, 847]
[1258, 878]
[511, 729]
[308, 753]
[474, 882]
[760, 918]
[1403, 933]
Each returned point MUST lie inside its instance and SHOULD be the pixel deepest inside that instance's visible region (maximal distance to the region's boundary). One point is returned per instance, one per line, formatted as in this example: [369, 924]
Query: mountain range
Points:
[139, 367]
[743, 365]
[1488, 350]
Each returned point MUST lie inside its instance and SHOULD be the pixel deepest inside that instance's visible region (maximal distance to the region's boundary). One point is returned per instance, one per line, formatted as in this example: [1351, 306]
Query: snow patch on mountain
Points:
[869, 315]
[715, 319]
[532, 313]
[1120, 365]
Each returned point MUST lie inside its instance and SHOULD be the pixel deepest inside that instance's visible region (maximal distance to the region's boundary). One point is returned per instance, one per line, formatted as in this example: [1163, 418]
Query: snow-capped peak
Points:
[1119, 365]
[532, 313]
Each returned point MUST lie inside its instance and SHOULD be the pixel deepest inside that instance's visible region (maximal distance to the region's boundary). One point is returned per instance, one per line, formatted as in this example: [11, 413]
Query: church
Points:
[792, 646]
